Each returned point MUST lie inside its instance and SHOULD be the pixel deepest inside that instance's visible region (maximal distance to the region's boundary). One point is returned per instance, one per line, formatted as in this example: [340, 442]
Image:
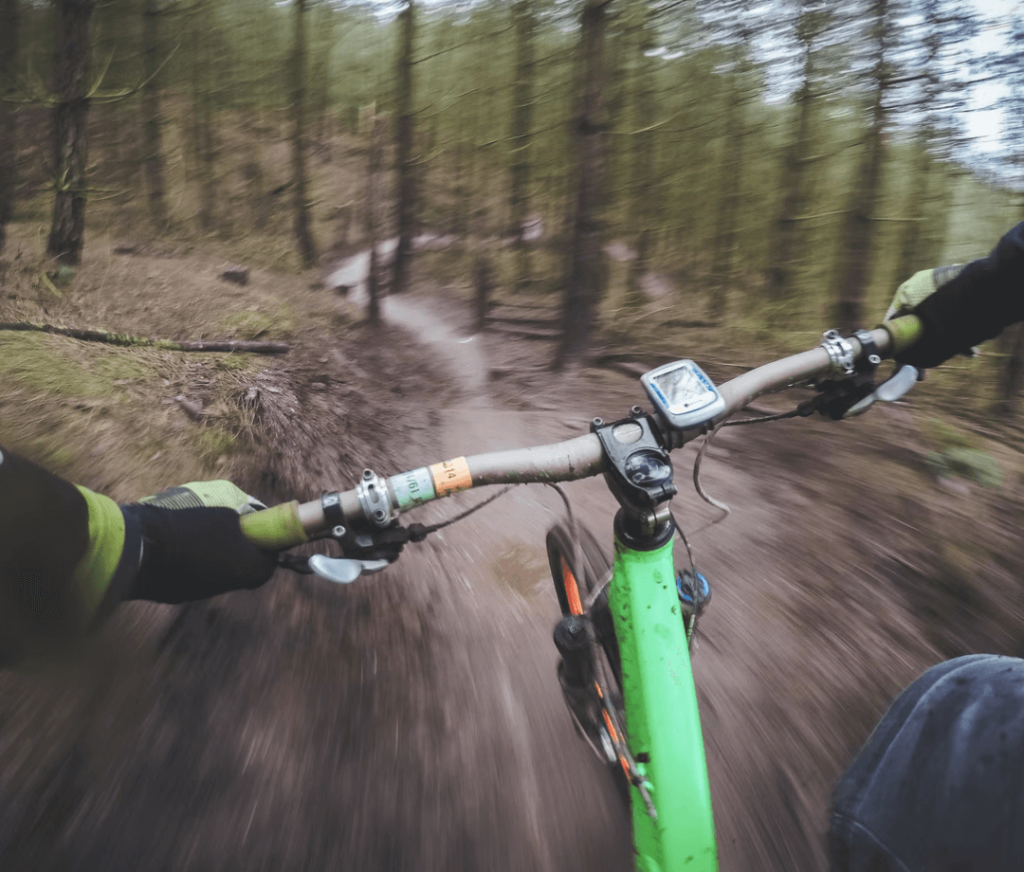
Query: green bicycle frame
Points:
[662, 720]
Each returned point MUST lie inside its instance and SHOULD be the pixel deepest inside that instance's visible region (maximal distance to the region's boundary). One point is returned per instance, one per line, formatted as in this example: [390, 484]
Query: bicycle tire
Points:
[574, 586]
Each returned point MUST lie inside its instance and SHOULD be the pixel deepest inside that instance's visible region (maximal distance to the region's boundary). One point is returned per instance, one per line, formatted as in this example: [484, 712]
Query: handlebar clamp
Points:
[372, 493]
[840, 353]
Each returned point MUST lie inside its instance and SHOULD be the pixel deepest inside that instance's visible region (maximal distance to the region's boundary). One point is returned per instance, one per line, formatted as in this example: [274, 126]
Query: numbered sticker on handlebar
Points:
[451, 476]
[414, 487]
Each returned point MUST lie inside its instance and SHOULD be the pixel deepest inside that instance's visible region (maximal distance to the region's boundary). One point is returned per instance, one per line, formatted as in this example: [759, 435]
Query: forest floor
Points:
[412, 720]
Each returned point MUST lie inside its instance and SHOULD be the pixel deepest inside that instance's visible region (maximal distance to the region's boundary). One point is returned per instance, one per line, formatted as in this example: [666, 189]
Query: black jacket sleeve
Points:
[986, 297]
[44, 533]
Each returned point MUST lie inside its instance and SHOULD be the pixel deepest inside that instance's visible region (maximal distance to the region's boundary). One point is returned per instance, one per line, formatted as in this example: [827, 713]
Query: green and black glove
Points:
[919, 287]
[939, 341]
[960, 307]
[190, 545]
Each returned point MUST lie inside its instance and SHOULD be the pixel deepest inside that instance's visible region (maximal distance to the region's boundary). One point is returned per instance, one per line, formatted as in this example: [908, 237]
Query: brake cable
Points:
[798, 412]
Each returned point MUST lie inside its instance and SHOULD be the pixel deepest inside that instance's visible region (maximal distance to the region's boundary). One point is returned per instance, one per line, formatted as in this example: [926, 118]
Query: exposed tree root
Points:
[168, 344]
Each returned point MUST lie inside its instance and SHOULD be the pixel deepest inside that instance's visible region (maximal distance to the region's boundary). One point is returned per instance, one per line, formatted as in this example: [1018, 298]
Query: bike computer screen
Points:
[683, 395]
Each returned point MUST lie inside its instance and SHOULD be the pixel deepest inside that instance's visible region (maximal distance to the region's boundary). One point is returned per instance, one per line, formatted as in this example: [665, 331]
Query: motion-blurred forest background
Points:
[657, 178]
[786, 163]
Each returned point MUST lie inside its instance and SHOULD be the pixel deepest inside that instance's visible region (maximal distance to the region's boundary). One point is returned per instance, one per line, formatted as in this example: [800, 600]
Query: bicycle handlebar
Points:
[290, 524]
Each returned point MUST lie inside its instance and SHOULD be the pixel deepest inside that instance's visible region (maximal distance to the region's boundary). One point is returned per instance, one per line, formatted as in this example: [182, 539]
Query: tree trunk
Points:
[642, 202]
[913, 243]
[10, 15]
[933, 242]
[522, 126]
[204, 145]
[375, 148]
[70, 134]
[152, 157]
[786, 242]
[484, 281]
[404, 170]
[585, 272]
[303, 233]
[916, 243]
[857, 253]
[462, 202]
[723, 263]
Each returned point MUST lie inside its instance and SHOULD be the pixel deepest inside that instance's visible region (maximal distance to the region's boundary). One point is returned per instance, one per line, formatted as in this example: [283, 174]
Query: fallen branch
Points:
[166, 344]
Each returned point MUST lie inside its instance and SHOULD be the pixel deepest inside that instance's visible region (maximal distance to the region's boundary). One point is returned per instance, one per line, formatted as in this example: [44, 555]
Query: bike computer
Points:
[682, 394]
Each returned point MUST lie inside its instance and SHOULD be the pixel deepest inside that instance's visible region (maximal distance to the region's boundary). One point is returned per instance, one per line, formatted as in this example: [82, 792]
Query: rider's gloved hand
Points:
[190, 544]
[940, 340]
[919, 287]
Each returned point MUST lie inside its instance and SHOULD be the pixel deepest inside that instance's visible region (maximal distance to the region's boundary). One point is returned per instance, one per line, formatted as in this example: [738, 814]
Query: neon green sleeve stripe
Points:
[95, 570]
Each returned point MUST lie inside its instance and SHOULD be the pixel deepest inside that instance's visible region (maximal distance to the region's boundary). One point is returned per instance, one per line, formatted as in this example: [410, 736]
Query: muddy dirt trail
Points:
[412, 720]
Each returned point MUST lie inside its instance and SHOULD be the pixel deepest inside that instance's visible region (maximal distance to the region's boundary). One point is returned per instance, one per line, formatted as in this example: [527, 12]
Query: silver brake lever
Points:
[344, 570]
[888, 391]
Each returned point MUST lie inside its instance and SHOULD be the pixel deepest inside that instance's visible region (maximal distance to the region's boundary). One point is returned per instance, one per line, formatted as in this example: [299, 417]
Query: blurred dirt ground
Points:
[412, 721]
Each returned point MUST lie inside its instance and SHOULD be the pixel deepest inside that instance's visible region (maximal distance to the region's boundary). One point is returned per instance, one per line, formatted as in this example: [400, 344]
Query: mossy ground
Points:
[112, 418]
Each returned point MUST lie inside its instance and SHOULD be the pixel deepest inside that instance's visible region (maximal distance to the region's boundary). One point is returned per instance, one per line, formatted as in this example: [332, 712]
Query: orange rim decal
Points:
[572, 592]
[611, 728]
[451, 476]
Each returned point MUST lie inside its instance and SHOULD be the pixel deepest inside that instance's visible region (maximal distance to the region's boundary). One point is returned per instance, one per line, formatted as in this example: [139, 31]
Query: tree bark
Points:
[522, 127]
[300, 182]
[204, 143]
[585, 269]
[375, 149]
[10, 21]
[70, 134]
[484, 281]
[857, 253]
[404, 169]
[206, 152]
[462, 200]
[914, 244]
[152, 157]
[643, 205]
[728, 205]
[786, 242]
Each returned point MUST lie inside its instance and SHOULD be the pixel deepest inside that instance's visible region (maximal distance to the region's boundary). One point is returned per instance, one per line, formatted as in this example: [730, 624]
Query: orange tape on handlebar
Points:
[451, 476]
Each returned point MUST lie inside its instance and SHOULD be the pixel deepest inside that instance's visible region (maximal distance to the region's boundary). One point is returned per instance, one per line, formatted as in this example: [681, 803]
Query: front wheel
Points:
[575, 584]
